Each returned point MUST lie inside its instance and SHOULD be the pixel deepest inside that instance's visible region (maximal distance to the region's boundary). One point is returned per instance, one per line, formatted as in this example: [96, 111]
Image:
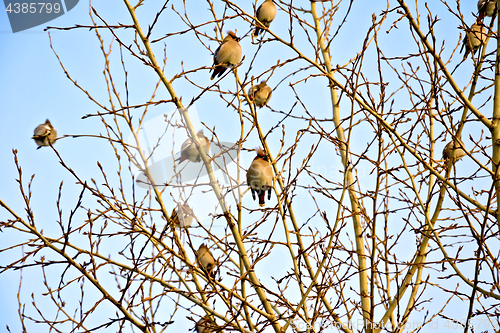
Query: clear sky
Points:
[33, 87]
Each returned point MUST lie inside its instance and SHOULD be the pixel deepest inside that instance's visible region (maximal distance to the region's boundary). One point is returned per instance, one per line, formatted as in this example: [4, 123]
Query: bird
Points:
[228, 54]
[260, 176]
[260, 94]
[204, 325]
[189, 151]
[184, 219]
[454, 148]
[206, 259]
[486, 8]
[44, 134]
[474, 37]
[182, 216]
[265, 14]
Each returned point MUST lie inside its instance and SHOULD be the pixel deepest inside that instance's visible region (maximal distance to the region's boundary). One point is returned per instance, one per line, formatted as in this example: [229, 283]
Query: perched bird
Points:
[189, 151]
[474, 37]
[260, 176]
[486, 8]
[182, 216]
[260, 94]
[228, 54]
[44, 133]
[206, 259]
[265, 14]
[204, 325]
[454, 148]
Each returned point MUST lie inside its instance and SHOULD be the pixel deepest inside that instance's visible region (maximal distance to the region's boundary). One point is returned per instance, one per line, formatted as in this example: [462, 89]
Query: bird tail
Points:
[218, 71]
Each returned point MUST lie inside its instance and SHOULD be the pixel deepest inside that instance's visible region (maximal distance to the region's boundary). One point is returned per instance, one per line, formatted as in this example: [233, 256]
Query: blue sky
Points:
[34, 87]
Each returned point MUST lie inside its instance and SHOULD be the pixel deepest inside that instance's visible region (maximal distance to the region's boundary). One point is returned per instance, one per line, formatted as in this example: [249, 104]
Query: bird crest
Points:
[232, 34]
[260, 152]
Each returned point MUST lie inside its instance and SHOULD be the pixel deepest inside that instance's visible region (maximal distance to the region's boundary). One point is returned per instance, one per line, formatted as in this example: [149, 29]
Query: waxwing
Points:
[189, 151]
[228, 54]
[206, 259]
[486, 8]
[474, 37]
[182, 216]
[44, 133]
[204, 325]
[453, 147]
[265, 14]
[260, 94]
[260, 176]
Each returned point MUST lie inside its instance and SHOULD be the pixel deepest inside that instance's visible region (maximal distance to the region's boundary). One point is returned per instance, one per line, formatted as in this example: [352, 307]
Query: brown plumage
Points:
[44, 133]
[206, 259]
[474, 37]
[228, 54]
[265, 14]
[189, 150]
[453, 147]
[260, 94]
[182, 216]
[486, 8]
[260, 177]
[204, 325]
